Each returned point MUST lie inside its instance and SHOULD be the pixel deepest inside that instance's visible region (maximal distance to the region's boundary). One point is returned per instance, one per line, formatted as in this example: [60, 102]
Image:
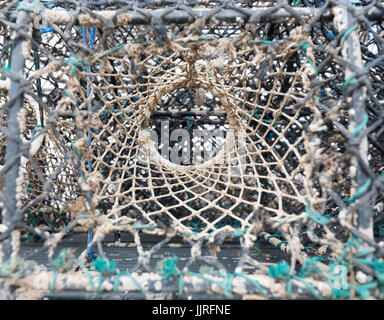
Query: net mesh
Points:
[207, 122]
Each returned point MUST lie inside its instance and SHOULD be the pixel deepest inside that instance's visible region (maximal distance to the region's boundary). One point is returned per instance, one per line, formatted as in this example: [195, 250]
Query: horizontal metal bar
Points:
[175, 114]
[194, 284]
[199, 122]
[177, 16]
[73, 295]
[180, 114]
[181, 16]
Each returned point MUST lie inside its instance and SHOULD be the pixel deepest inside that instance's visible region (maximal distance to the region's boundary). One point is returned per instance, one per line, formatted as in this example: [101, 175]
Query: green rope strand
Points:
[318, 218]
[126, 273]
[349, 81]
[255, 283]
[34, 7]
[362, 125]
[360, 191]
[348, 32]
[114, 49]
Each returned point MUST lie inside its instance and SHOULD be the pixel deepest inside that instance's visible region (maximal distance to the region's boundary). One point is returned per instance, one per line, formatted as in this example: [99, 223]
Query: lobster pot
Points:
[196, 124]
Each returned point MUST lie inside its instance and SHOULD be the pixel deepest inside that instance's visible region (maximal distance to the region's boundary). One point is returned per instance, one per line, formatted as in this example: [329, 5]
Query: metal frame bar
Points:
[13, 141]
[11, 215]
[351, 52]
[144, 17]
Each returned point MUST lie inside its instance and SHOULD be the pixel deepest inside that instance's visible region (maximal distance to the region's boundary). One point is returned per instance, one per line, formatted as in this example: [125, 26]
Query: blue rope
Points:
[48, 4]
[92, 35]
[45, 29]
[91, 253]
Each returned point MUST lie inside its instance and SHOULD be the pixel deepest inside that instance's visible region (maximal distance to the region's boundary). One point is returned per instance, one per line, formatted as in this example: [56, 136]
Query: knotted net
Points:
[206, 122]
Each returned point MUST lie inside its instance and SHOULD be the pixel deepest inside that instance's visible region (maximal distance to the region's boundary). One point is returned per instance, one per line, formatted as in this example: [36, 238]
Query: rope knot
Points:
[35, 7]
[76, 63]
[104, 265]
[281, 270]
[168, 267]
